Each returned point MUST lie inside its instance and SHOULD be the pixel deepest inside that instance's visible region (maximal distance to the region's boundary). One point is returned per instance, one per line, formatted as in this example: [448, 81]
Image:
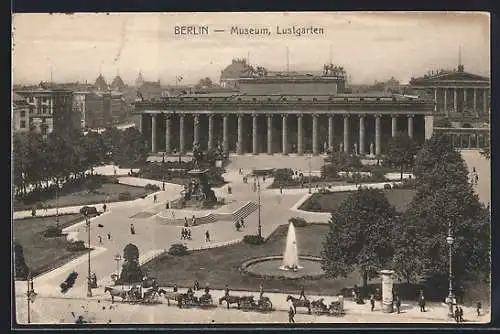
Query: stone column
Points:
[315, 134]
[435, 98]
[210, 131]
[394, 124]
[153, 133]
[330, 133]
[361, 135]
[140, 123]
[225, 129]
[410, 126]
[455, 100]
[470, 140]
[255, 142]
[474, 102]
[485, 102]
[240, 134]
[269, 134]
[378, 148]
[181, 134]
[300, 148]
[387, 287]
[196, 124]
[346, 133]
[465, 99]
[284, 135]
[445, 91]
[168, 126]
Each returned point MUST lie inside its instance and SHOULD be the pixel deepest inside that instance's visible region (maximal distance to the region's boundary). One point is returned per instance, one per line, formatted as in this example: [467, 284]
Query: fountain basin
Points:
[269, 267]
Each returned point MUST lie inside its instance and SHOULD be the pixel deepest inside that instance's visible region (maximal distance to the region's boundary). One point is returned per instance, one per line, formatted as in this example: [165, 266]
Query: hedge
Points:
[178, 250]
[253, 239]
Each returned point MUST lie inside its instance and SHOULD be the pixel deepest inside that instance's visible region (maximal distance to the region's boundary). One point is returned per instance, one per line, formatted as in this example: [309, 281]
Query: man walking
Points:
[100, 239]
[261, 291]
[132, 229]
[154, 198]
[372, 302]
[226, 290]
[302, 294]
[207, 236]
[478, 308]
[398, 304]
[291, 315]
[421, 301]
[109, 236]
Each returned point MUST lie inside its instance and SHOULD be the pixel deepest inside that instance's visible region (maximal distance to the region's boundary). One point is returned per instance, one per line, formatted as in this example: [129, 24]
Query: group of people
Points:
[239, 224]
[186, 234]
[474, 177]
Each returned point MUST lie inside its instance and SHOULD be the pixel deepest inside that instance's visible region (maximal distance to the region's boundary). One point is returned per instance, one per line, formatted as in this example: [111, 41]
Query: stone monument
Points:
[372, 151]
[341, 147]
[355, 148]
[387, 288]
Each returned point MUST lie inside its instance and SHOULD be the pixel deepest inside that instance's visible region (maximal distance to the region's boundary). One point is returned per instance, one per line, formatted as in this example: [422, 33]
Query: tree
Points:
[94, 149]
[437, 165]
[401, 152]
[359, 236]
[132, 148]
[345, 161]
[131, 270]
[204, 83]
[21, 269]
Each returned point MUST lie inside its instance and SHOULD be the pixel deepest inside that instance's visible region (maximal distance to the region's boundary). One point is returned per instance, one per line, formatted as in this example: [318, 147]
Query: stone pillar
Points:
[300, 148]
[315, 134]
[269, 134]
[330, 133]
[141, 130]
[361, 135]
[378, 148]
[485, 102]
[182, 144]
[240, 134]
[465, 99]
[210, 131]
[455, 100]
[196, 129]
[387, 288]
[284, 135]
[225, 137]
[346, 133]
[255, 133]
[470, 140]
[445, 95]
[410, 126]
[474, 102]
[153, 133]
[168, 126]
[394, 124]
[435, 98]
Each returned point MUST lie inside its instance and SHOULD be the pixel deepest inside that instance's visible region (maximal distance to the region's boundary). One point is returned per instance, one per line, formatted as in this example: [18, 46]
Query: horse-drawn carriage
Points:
[336, 307]
[192, 300]
[135, 295]
[250, 304]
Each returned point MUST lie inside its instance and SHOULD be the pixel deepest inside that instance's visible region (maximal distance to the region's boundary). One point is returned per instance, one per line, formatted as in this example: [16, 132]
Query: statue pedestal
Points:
[387, 285]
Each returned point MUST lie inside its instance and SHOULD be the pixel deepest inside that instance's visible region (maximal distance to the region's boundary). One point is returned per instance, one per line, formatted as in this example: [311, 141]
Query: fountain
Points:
[285, 266]
[291, 254]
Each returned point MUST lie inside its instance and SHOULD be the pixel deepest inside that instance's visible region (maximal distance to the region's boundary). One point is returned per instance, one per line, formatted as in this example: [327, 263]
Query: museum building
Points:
[284, 113]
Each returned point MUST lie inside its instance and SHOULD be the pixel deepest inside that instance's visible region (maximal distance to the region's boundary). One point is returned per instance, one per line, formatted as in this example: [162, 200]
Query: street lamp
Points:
[30, 295]
[310, 158]
[259, 226]
[118, 258]
[57, 203]
[451, 296]
[89, 282]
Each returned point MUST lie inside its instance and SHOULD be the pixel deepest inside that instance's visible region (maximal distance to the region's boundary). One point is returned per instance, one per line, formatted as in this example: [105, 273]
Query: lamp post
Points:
[310, 158]
[451, 296]
[57, 203]
[118, 258]
[30, 295]
[259, 226]
[89, 282]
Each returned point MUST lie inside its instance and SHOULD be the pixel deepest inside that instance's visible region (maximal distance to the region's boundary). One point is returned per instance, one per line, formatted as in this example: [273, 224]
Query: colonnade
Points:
[360, 146]
[464, 99]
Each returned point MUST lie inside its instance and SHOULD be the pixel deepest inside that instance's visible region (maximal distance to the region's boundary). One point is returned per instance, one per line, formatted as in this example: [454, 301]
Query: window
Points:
[269, 99]
[22, 124]
[299, 99]
[315, 99]
[23, 113]
[254, 99]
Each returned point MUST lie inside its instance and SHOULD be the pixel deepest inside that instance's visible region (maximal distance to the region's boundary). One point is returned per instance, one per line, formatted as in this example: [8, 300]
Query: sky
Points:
[370, 46]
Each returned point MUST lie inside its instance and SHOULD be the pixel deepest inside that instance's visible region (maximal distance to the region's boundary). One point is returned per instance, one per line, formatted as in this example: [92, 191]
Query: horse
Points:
[319, 305]
[232, 300]
[171, 296]
[296, 302]
[116, 293]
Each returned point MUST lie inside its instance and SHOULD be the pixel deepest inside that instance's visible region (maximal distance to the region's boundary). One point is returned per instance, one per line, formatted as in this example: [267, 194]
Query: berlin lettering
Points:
[191, 30]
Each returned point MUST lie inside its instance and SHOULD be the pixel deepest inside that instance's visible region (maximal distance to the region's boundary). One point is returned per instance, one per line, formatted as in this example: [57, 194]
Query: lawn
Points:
[220, 266]
[399, 198]
[42, 254]
[108, 192]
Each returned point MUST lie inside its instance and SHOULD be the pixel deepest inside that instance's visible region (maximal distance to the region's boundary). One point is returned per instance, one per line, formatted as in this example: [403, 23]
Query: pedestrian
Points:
[132, 229]
[104, 207]
[163, 185]
[189, 234]
[264, 179]
[478, 308]
[207, 289]
[175, 288]
[100, 239]
[461, 314]
[242, 222]
[154, 198]
[33, 212]
[291, 315]
[261, 291]
[421, 301]
[226, 290]
[196, 285]
[237, 225]
[372, 302]
[185, 221]
[457, 314]
[302, 293]
[281, 190]
[109, 236]
[182, 233]
[167, 205]
[193, 221]
[207, 236]
[398, 304]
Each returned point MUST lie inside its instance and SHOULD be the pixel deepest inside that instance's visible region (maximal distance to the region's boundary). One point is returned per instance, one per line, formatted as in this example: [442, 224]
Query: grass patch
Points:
[107, 192]
[40, 253]
[399, 198]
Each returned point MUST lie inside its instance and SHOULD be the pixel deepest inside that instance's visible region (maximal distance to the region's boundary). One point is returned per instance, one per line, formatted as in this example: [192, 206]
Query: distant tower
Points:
[140, 80]
[460, 66]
